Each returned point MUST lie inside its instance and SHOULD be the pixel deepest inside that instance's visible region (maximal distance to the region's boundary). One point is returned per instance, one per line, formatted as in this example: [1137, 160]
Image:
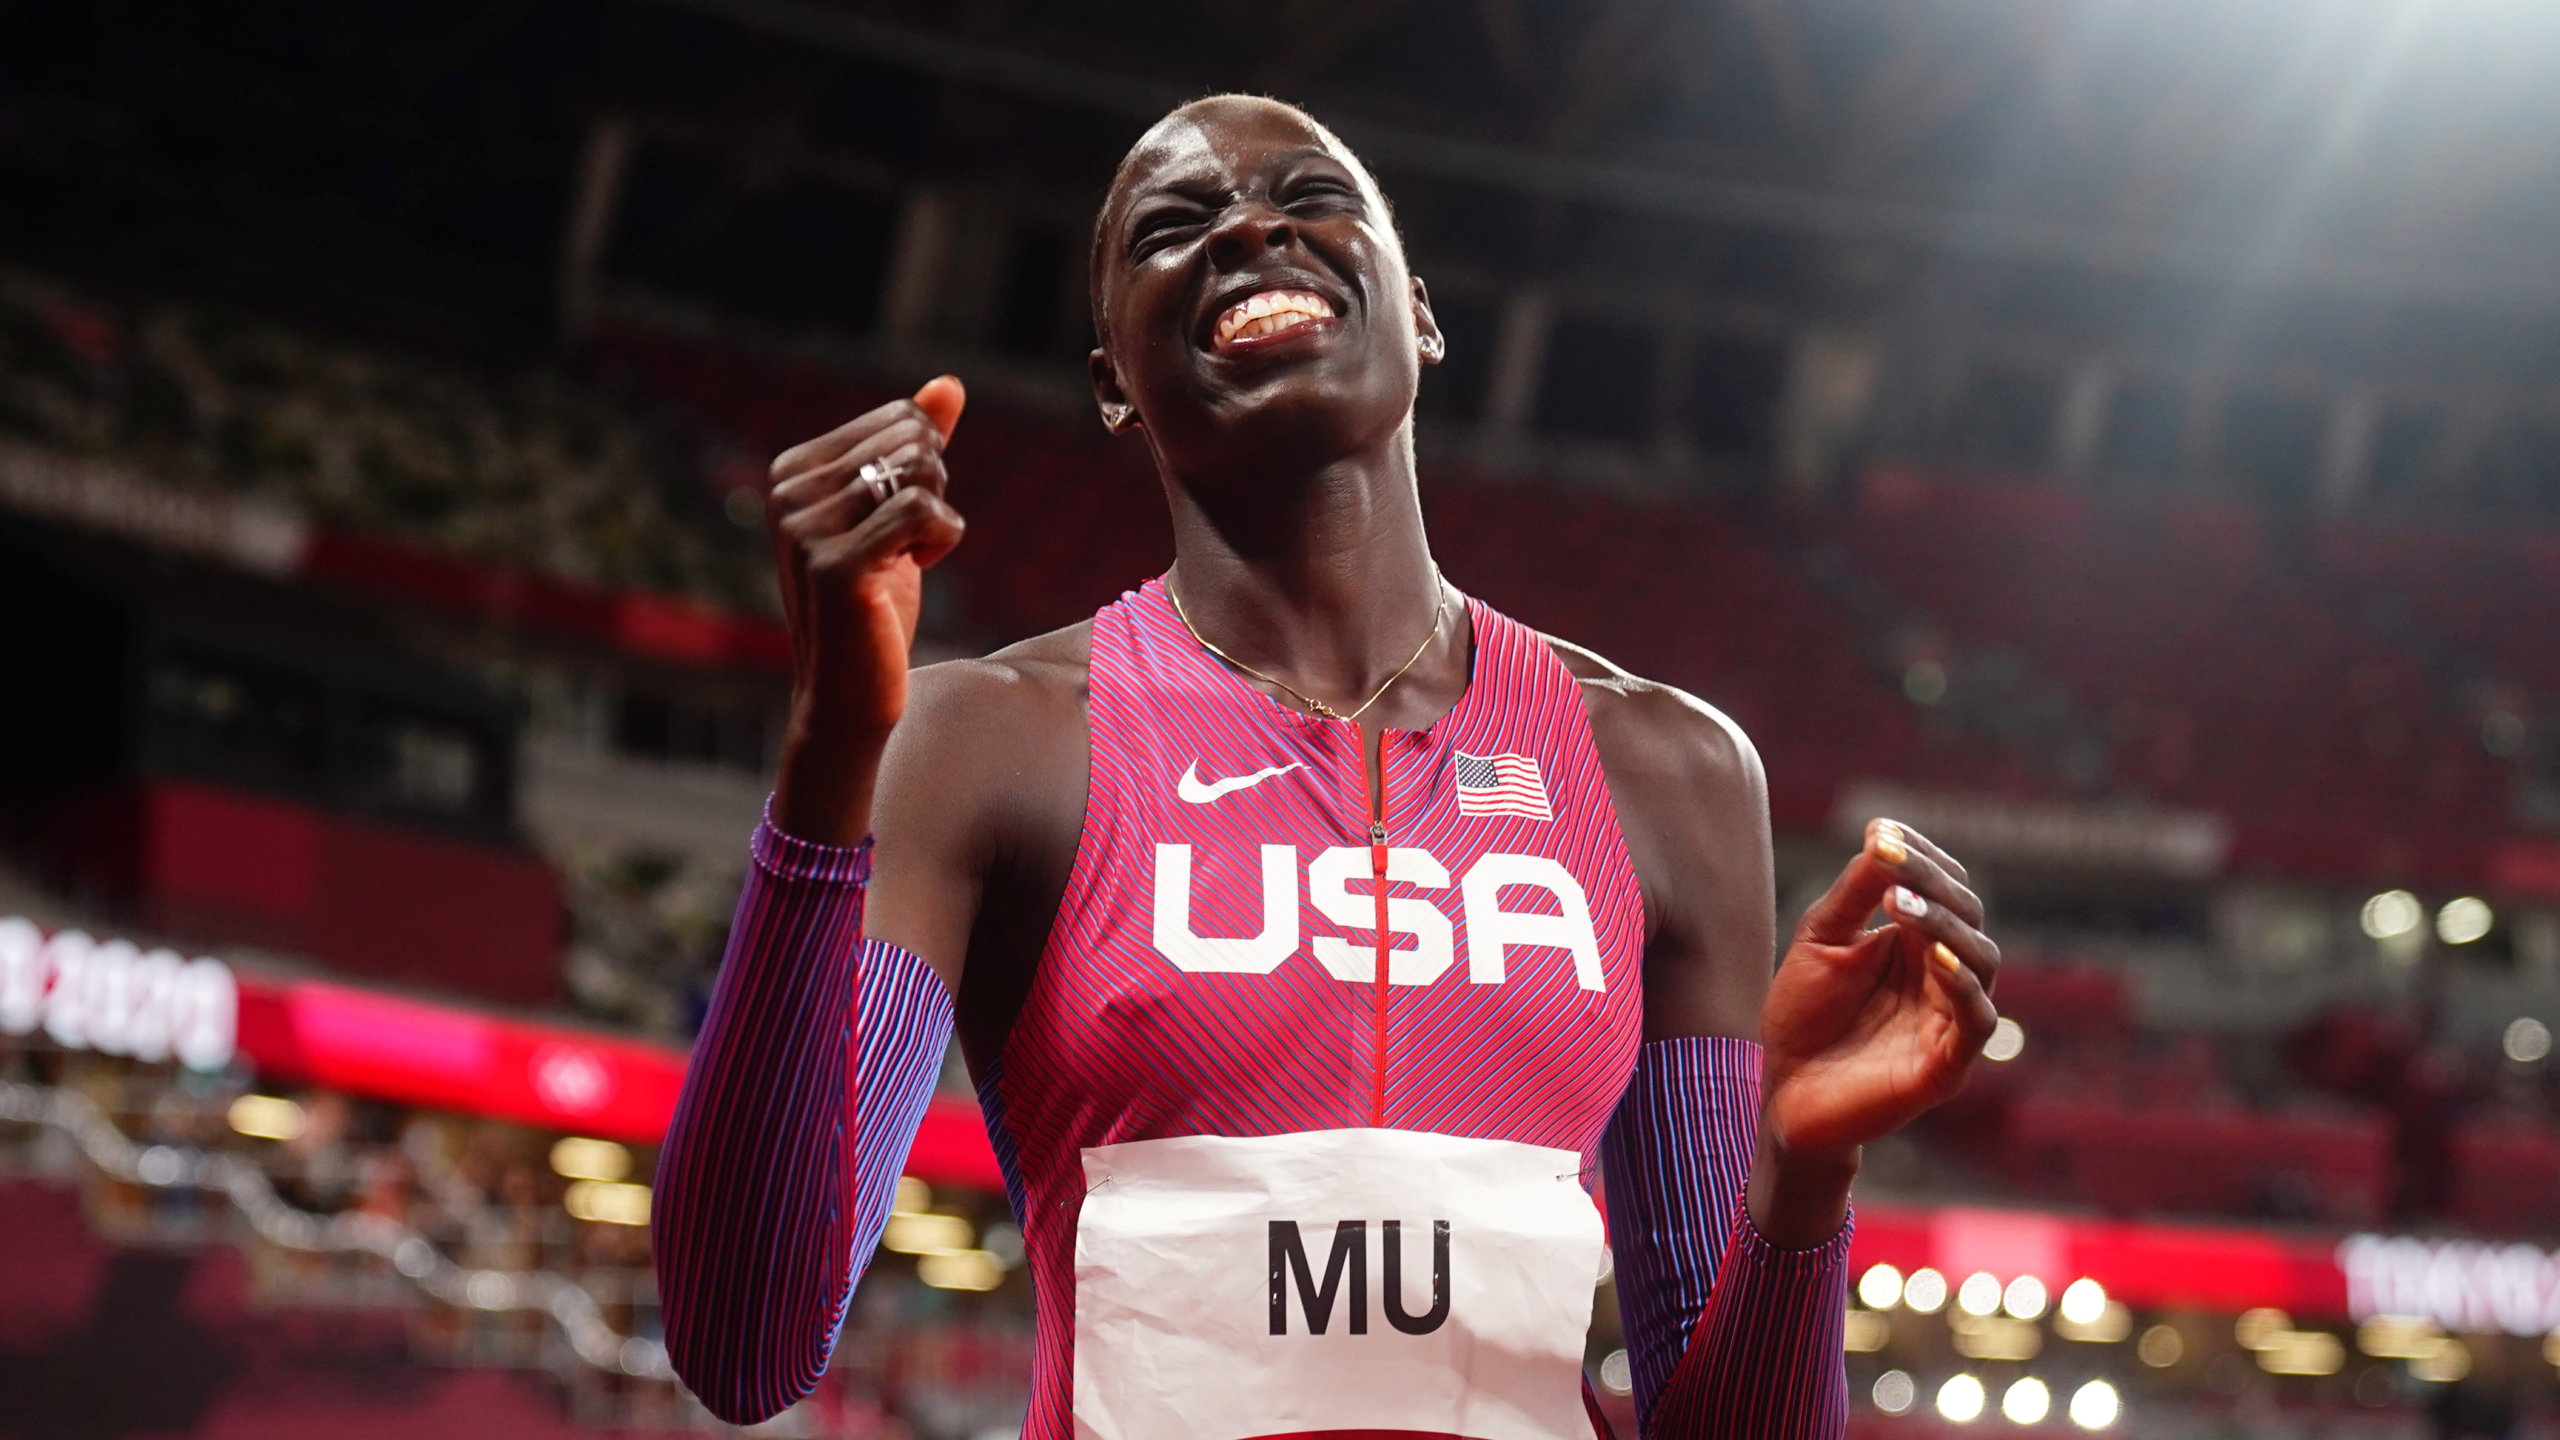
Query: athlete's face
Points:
[1253, 298]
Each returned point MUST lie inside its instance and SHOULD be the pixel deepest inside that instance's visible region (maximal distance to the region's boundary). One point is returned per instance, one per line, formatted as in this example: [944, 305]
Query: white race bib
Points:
[1228, 1289]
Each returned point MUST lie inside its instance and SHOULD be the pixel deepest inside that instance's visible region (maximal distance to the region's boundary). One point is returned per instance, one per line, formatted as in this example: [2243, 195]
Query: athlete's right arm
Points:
[819, 1049]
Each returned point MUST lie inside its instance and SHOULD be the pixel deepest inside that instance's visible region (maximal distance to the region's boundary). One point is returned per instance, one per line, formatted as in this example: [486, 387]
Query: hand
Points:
[852, 575]
[1864, 1030]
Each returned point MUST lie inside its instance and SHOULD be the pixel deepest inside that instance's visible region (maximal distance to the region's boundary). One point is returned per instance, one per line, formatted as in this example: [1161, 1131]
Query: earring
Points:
[1117, 417]
[1429, 345]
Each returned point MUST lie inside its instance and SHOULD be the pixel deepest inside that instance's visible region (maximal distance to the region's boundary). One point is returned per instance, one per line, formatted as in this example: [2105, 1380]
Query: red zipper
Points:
[1378, 986]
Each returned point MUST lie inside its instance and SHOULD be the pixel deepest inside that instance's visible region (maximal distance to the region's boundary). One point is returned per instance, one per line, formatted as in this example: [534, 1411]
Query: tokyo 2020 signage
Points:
[116, 998]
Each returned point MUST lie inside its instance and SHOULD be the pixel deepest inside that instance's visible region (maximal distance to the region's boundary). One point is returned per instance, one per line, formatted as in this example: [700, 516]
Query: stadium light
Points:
[2307, 1352]
[2160, 1347]
[2448, 1362]
[2084, 1302]
[1960, 1399]
[2095, 1406]
[1894, 1392]
[2257, 1329]
[2027, 1402]
[960, 1270]
[2398, 1337]
[910, 1234]
[2007, 1042]
[1617, 1373]
[1980, 1293]
[266, 1117]
[1925, 1291]
[578, 1158]
[2527, 1040]
[2391, 914]
[2025, 1297]
[914, 1197]
[2464, 919]
[1866, 1332]
[1880, 1288]
[605, 1203]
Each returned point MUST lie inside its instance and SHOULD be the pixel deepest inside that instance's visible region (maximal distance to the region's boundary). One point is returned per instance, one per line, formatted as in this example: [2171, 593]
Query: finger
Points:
[1968, 1004]
[1943, 935]
[915, 523]
[1924, 845]
[942, 399]
[917, 467]
[1841, 914]
[1900, 850]
[810, 485]
[809, 454]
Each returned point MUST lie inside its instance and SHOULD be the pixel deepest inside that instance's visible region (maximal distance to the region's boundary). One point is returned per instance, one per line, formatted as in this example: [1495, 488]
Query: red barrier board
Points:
[556, 1076]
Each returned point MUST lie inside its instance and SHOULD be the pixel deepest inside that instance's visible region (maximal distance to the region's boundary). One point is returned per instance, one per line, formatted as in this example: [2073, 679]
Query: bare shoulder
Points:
[1029, 681]
[1660, 739]
[1693, 808]
[996, 736]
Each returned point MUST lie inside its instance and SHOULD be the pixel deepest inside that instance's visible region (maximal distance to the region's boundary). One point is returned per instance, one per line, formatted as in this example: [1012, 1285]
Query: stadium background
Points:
[2123, 440]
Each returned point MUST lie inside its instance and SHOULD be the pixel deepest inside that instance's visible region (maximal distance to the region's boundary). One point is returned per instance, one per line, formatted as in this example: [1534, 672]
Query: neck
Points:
[1324, 579]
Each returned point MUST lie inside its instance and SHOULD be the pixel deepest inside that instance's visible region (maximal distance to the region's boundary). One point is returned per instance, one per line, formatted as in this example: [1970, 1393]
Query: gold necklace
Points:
[1316, 707]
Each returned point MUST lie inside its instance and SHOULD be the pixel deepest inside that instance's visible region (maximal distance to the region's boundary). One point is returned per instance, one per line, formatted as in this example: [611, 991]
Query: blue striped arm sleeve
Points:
[1728, 1336]
[804, 1091]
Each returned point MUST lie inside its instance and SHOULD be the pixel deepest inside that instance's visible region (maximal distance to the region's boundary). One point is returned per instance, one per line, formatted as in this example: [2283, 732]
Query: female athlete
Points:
[1318, 938]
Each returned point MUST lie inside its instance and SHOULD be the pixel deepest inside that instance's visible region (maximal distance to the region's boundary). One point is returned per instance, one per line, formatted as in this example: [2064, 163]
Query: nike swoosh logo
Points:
[1191, 788]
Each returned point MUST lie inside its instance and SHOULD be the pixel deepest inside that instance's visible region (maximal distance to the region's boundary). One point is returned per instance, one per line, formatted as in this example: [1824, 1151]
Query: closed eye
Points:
[1160, 227]
[1319, 192]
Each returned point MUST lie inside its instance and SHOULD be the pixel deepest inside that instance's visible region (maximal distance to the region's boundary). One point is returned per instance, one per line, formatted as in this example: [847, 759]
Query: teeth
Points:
[1270, 312]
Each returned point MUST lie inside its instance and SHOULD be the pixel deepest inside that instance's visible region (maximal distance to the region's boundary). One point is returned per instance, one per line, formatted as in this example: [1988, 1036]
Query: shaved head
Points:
[1180, 132]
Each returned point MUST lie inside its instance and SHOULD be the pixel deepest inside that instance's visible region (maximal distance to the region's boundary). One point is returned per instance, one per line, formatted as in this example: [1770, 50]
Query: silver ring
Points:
[880, 478]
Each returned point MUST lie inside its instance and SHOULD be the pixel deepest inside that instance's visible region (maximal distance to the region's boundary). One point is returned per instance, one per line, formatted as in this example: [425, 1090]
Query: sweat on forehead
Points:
[1187, 131]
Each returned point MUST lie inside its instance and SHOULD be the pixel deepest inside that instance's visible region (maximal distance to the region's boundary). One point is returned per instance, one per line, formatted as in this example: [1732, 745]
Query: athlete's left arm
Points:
[1728, 1166]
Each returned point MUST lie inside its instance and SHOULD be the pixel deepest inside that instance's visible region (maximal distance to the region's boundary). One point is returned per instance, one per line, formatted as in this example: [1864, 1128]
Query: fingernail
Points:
[1888, 845]
[1909, 902]
[1944, 956]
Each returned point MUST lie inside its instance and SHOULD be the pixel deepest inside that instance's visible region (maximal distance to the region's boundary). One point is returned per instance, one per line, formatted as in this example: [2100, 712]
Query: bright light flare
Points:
[2095, 1406]
[2527, 1041]
[1980, 1293]
[1925, 1292]
[1880, 1288]
[2008, 1040]
[1894, 1392]
[2026, 1402]
[2084, 1302]
[1960, 1400]
[2393, 913]
[2025, 1297]
[2464, 920]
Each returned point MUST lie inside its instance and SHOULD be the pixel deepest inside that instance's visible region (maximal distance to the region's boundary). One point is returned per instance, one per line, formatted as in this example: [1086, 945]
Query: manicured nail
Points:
[1909, 902]
[1944, 956]
[1888, 844]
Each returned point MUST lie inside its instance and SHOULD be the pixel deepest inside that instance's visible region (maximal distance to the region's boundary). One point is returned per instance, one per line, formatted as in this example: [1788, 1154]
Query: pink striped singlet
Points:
[1298, 1109]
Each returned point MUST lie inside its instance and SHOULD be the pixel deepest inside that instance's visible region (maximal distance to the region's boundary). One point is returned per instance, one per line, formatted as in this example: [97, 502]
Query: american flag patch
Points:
[1501, 785]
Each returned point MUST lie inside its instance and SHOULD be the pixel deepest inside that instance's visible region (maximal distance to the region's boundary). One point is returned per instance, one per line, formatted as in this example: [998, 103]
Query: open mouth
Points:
[1273, 312]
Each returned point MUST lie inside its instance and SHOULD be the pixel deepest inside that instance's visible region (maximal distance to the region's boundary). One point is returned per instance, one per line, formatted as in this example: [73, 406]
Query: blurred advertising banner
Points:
[115, 998]
[2183, 843]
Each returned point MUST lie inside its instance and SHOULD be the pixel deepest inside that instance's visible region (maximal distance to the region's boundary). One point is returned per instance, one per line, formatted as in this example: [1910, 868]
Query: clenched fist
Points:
[856, 515]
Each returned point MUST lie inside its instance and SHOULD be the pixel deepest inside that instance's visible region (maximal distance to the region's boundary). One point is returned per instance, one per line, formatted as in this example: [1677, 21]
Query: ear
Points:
[1426, 326]
[1117, 413]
